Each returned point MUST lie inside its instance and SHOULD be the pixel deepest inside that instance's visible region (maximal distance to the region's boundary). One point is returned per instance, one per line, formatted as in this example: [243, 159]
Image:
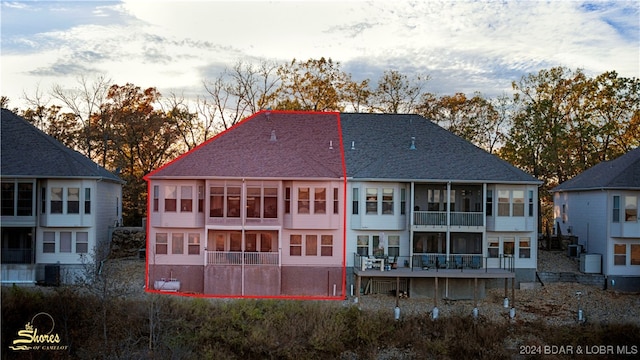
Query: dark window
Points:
[56, 200]
[87, 201]
[73, 201]
[7, 199]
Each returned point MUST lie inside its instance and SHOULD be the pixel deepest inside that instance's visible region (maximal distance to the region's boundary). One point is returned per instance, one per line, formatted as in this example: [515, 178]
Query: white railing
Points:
[241, 258]
[439, 218]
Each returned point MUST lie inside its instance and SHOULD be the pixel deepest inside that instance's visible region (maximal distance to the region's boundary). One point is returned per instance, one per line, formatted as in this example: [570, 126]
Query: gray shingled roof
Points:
[28, 152]
[301, 149]
[382, 151]
[620, 173]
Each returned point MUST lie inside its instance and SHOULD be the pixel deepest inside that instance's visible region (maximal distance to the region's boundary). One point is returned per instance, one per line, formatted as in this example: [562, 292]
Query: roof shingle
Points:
[28, 152]
[622, 172]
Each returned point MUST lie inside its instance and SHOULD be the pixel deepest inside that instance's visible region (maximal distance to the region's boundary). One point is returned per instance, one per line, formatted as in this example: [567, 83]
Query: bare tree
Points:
[83, 101]
[397, 93]
[239, 92]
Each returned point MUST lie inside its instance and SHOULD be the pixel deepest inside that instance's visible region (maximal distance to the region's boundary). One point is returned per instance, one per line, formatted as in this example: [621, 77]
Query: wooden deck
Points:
[406, 272]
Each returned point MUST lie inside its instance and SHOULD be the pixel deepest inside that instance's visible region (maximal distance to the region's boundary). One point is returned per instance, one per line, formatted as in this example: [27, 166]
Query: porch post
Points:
[397, 291]
[448, 233]
[358, 284]
[435, 295]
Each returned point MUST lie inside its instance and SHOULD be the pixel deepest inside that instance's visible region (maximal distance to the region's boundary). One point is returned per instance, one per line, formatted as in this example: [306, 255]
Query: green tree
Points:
[137, 139]
[316, 85]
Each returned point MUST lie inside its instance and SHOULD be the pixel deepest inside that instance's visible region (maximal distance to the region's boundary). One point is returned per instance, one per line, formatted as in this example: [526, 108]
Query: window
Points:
[326, 245]
[378, 247]
[363, 245]
[403, 201]
[503, 203]
[525, 247]
[253, 202]
[494, 247]
[265, 242]
[161, 243]
[630, 209]
[303, 200]
[530, 202]
[73, 201]
[56, 200]
[434, 243]
[200, 198]
[25, 199]
[466, 243]
[177, 243]
[170, 198]
[508, 246]
[156, 196]
[489, 202]
[235, 241]
[564, 213]
[270, 203]
[372, 201]
[394, 245]
[387, 201]
[355, 203]
[82, 242]
[233, 201]
[311, 245]
[620, 254]
[287, 200]
[295, 245]
[320, 201]
[216, 199]
[43, 204]
[7, 199]
[251, 242]
[518, 203]
[186, 199]
[48, 242]
[336, 201]
[220, 242]
[616, 209]
[435, 199]
[635, 254]
[87, 201]
[65, 241]
[194, 244]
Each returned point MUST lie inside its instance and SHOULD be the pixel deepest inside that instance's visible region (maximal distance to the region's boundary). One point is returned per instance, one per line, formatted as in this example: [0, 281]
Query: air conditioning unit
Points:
[574, 250]
[591, 263]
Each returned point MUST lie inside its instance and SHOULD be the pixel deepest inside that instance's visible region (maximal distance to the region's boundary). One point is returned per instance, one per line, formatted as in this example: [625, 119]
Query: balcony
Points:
[17, 256]
[241, 258]
[439, 218]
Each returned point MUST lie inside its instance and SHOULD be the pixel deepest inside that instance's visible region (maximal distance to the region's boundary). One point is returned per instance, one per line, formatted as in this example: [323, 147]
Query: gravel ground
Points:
[556, 303]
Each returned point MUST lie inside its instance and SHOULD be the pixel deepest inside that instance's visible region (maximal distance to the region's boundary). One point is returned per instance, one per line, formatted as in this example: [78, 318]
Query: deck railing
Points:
[241, 258]
[459, 261]
[439, 218]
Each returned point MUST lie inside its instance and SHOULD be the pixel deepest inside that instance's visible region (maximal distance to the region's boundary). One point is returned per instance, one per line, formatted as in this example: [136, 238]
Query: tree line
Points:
[555, 124]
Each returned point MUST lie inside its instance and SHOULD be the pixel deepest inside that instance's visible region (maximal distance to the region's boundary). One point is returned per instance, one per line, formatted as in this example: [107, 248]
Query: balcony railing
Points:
[439, 218]
[459, 261]
[241, 258]
[17, 256]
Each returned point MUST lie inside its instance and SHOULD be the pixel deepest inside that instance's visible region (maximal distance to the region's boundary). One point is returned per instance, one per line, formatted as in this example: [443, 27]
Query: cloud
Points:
[464, 45]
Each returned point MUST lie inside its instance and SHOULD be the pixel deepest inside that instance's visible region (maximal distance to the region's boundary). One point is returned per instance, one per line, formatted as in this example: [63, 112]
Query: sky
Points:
[464, 46]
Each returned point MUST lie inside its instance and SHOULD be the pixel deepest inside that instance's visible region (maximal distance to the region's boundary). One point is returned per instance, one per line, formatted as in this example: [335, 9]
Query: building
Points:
[600, 207]
[352, 196]
[57, 205]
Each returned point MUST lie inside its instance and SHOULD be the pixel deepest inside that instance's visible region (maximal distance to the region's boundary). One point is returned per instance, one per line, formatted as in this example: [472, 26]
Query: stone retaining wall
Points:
[571, 277]
[127, 242]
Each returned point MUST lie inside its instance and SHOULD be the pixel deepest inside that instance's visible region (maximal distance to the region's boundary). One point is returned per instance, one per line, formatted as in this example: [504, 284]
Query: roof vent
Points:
[273, 136]
[413, 143]
[330, 144]
[353, 145]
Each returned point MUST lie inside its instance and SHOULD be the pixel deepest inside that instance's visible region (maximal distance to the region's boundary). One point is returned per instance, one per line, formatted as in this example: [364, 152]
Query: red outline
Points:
[281, 297]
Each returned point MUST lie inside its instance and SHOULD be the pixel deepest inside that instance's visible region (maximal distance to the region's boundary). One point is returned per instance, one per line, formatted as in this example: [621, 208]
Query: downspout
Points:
[243, 212]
